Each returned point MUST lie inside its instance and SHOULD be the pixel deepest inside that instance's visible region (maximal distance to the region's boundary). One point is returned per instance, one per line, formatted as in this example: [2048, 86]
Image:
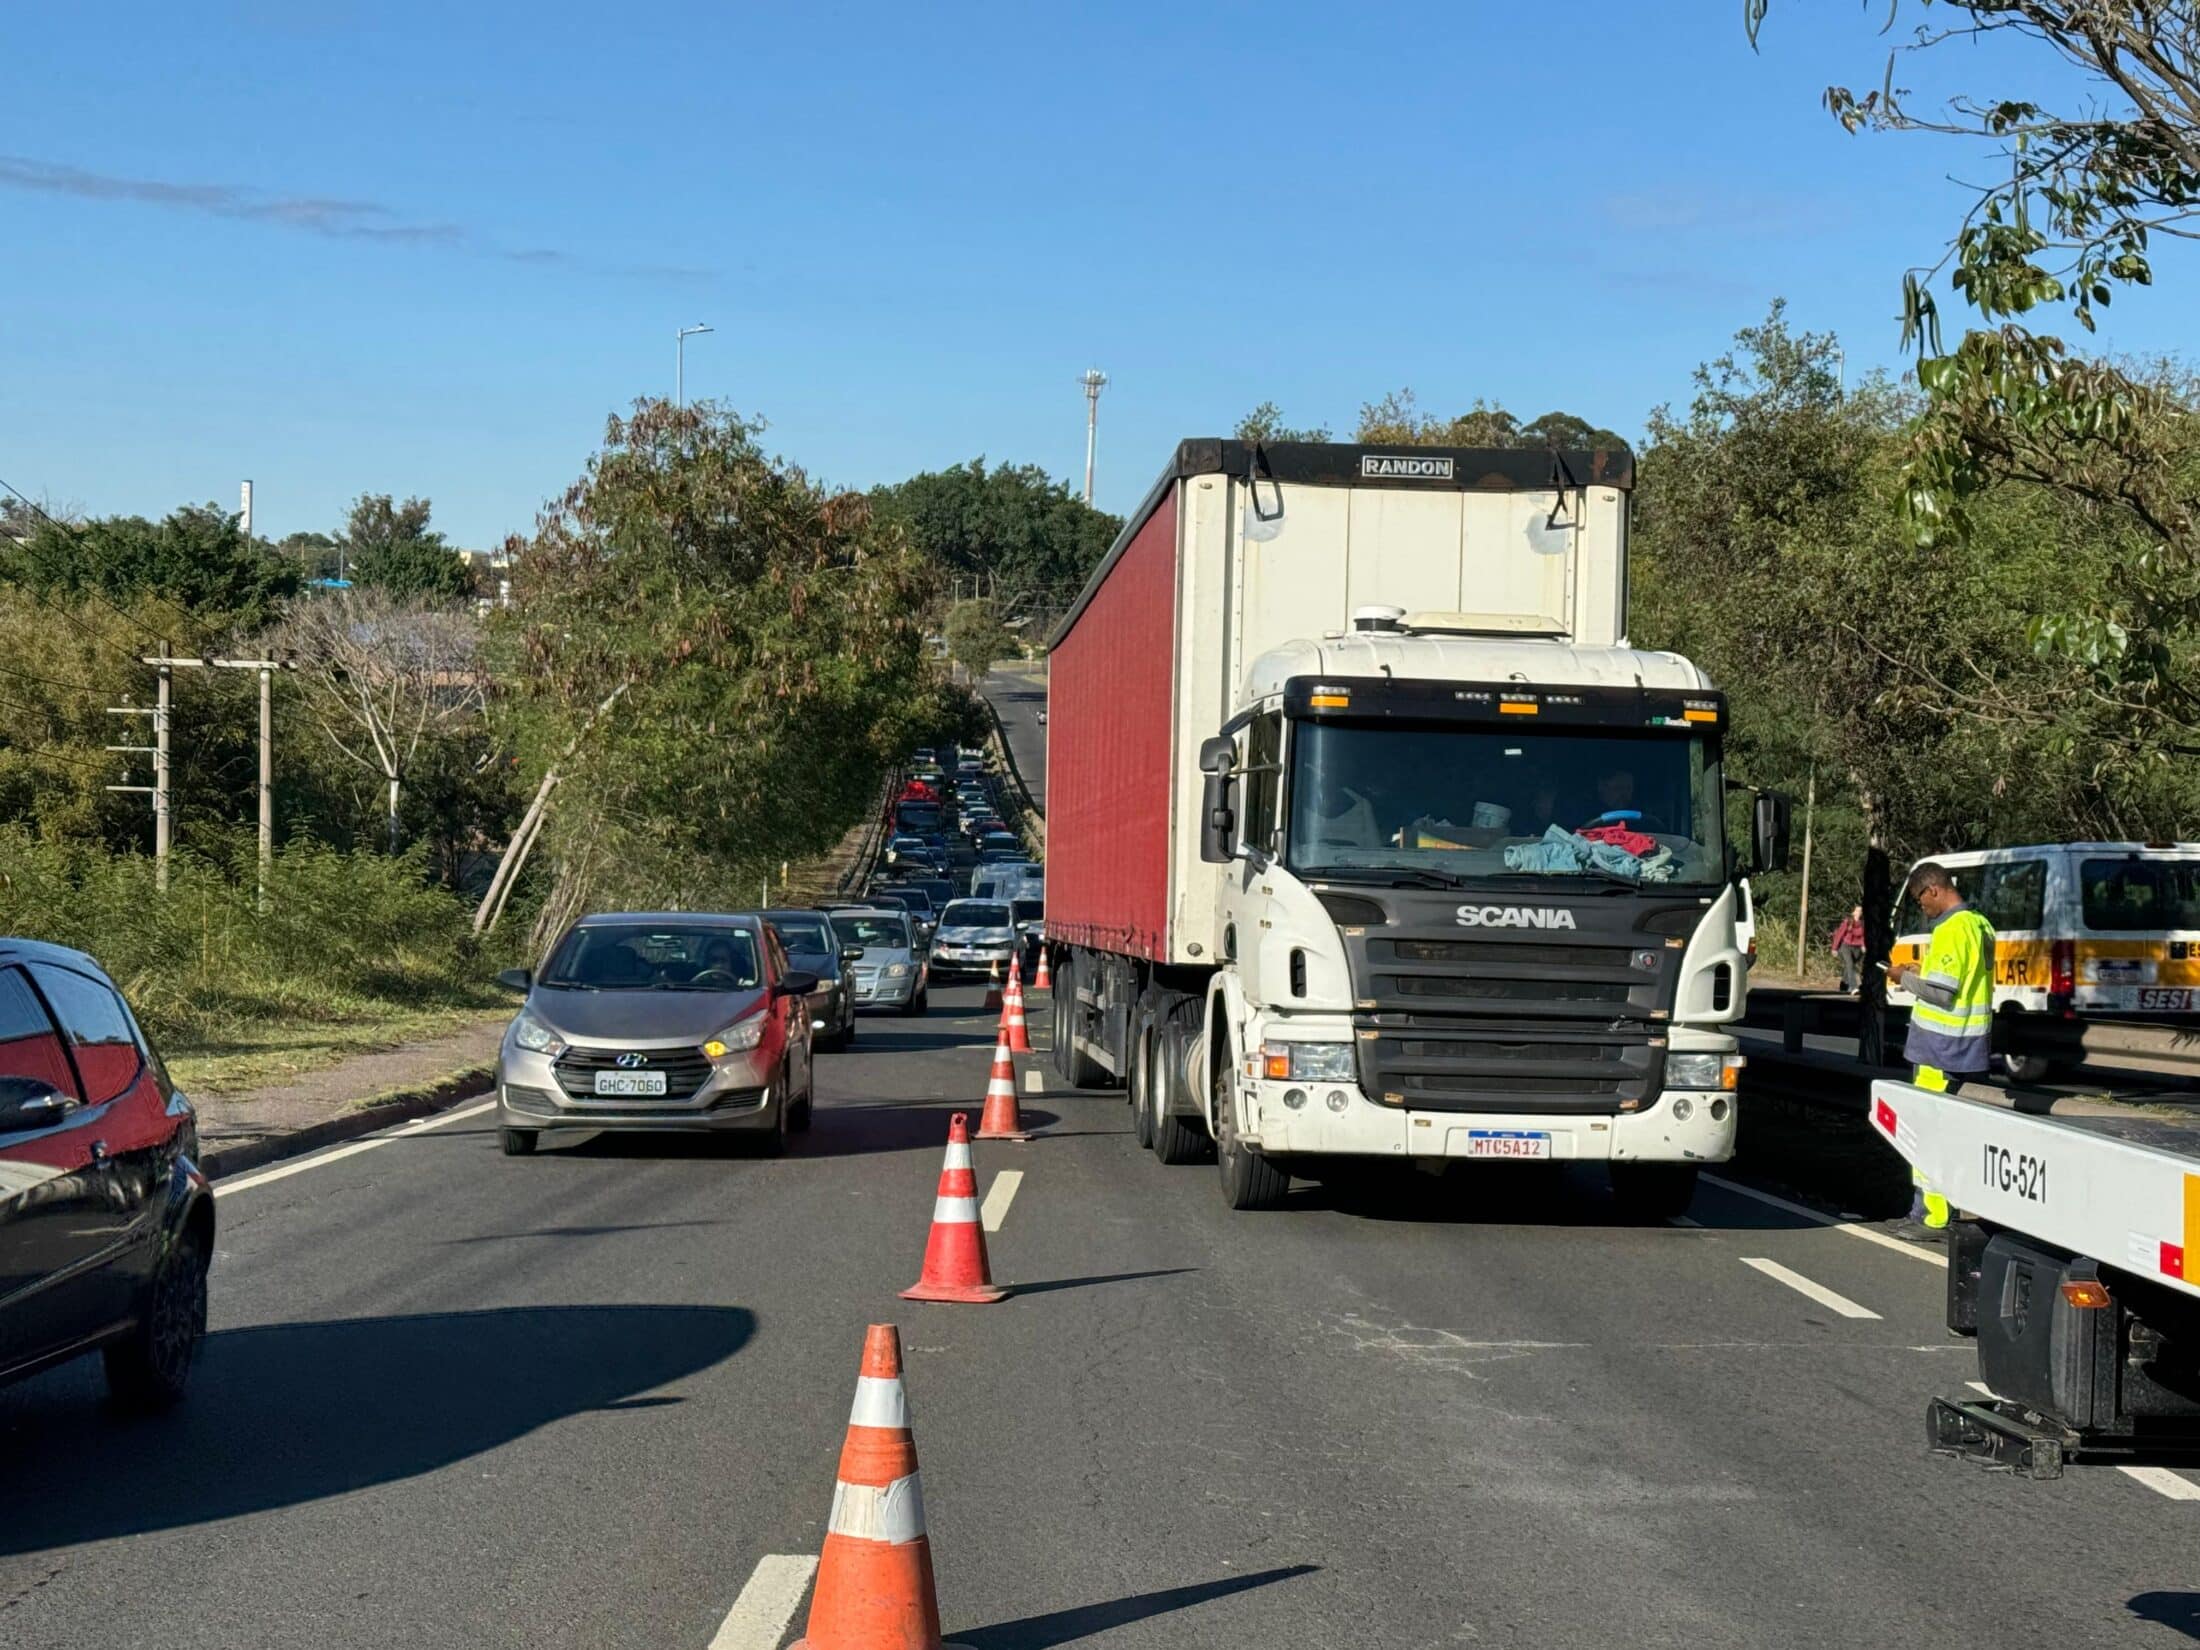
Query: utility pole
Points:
[153, 790]
[679, 362]
[161, 826]
[1094, 381]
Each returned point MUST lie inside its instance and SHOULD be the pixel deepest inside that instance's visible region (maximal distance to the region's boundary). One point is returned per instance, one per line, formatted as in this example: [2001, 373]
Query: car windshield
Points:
[803, 934]
[1446, 804]
[1028, 910]
[606, 956]
[972, 913]
[873, 932]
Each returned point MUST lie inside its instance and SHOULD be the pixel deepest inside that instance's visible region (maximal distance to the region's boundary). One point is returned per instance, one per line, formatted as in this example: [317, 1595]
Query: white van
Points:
[2083, 927]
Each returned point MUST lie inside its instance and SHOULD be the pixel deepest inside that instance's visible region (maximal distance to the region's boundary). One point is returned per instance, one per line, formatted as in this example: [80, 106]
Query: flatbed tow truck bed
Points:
[2075, 1260]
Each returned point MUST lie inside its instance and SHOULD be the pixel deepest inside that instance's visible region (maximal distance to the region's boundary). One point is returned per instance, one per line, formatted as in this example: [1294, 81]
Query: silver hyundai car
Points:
[890, 968]
[659, 1020]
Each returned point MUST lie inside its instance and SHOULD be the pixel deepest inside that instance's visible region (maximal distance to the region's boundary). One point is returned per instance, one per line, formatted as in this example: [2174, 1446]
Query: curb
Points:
[405, 1106]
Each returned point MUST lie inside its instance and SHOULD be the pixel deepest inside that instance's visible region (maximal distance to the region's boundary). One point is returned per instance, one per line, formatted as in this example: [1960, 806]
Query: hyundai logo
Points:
[633, 1062]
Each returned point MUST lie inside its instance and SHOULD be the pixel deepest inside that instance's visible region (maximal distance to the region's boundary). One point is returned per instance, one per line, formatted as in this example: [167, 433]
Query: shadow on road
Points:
[2177, 1611]
[1046, 1286]
[1516, 1194]
[291, 1413]
[1067, 1626]
[850, 1131]
[905, 1038]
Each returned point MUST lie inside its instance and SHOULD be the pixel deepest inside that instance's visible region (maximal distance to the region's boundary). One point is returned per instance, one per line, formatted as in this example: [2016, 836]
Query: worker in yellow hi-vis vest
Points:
[1952, 1021]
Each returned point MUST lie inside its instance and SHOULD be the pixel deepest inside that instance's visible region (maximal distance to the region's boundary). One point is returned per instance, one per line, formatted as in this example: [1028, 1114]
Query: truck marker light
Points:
[1730, 1072]
[1279, 1063]
[1514, 707]
[1701, 715]
[1329, 701]
[2084, 1292]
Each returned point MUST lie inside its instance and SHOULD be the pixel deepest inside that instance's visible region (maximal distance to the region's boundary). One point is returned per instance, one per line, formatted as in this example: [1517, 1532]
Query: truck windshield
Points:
[1449, 803]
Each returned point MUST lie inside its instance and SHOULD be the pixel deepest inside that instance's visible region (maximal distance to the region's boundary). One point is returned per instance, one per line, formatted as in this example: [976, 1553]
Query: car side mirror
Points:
[1772, 823]
[851, 952]
[796, 982]
[521, 980]
[31, 1103]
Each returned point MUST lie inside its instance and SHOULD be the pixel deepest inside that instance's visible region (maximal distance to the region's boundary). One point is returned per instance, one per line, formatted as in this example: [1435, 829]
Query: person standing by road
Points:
[1952, 1020]
[1848, 949]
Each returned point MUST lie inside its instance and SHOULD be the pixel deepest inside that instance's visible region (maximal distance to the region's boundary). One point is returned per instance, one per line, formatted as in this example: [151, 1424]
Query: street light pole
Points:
[679, 361]
[1094, 381]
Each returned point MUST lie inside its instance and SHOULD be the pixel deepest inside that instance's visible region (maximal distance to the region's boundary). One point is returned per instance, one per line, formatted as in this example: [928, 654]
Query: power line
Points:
[48, 681]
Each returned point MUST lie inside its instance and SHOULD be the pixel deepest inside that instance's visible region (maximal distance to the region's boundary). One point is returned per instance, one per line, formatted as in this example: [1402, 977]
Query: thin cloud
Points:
[328, 216]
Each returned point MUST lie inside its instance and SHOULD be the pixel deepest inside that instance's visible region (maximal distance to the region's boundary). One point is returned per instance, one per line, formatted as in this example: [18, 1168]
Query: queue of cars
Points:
[657, 1021]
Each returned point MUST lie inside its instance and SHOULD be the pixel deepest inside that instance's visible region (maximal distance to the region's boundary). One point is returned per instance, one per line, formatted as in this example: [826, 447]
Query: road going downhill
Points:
[594, 1398]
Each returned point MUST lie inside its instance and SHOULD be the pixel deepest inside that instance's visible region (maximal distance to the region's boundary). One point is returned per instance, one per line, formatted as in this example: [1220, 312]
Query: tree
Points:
[318, 556]
[388, 679]
[1265, 423]
[710, 661]
[389, 546]
[198, 558]
[976, 637]
[1011, 532]
[2084, 192]
[1397, 420]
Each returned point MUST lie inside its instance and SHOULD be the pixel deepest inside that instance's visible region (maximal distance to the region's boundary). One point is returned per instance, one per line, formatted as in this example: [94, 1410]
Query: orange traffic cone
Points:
[999, 1120]
[1042, 982]
[874, 1578]
[1012, 1017]
[954, 1255]
[992, 988]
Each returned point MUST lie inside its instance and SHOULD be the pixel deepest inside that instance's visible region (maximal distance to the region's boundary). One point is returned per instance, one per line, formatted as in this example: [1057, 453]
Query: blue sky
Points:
[425, 249]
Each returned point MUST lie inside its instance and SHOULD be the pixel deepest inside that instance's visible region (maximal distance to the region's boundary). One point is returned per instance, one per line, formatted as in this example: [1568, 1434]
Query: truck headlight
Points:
[737, 1038]
[1308, 1062]
[532, 1035]
[1704, 1071]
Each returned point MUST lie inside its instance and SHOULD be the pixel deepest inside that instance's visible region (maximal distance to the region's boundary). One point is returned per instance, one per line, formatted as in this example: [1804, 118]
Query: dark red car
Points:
[106, 1223]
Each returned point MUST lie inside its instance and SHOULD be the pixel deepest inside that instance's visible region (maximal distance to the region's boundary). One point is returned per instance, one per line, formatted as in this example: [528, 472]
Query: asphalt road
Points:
[588, 1399]
[1019, 694]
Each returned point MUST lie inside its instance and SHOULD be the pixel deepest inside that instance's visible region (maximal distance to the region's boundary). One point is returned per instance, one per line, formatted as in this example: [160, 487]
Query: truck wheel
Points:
[1249, 1180]
[1176, 1138]
[1653, 1191]
[1079, 1069]
[1140, 1089]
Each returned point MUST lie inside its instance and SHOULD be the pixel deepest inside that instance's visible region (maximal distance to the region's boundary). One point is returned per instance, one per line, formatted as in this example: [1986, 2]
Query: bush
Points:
[346, 937]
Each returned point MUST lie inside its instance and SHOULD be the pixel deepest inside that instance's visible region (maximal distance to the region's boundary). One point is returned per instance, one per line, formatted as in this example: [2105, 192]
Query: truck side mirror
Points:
[1772, 823]
[1217, 801]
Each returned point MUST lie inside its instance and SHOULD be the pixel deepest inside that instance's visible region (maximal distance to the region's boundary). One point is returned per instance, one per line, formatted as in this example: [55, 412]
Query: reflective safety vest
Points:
[1960, 1036]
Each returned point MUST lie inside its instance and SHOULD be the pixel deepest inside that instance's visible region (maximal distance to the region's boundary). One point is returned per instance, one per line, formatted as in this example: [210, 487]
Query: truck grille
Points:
[1554, 1070]
[685, 1069]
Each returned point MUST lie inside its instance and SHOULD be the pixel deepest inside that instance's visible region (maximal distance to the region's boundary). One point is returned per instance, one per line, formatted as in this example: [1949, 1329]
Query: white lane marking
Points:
[768, 1601]
[222, 1188]
[1033, 1082]
[999, 1196]
[1981, 1388]
[1931, 1257]
[2164, 1482]
[1803, 1286]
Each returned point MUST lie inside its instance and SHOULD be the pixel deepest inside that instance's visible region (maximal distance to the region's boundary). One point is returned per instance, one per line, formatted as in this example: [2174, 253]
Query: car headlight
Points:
[895, 971]
[1308, 1062]
[532, 1035]
[1703, 1071]
[737, 1038]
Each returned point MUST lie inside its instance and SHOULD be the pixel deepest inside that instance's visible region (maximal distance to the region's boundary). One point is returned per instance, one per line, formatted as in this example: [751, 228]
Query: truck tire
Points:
[1249, 1180]
[1139, 1089]
[1653, 1191]
[1176, 1138]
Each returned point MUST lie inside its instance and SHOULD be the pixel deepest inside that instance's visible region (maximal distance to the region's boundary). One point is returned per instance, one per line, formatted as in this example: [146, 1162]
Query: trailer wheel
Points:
[1079, 1069]
[1249, 1180]
[1176, 1138]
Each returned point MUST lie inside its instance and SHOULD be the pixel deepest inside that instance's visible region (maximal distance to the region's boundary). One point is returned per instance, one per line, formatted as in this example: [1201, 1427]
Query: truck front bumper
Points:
[1362, 1128]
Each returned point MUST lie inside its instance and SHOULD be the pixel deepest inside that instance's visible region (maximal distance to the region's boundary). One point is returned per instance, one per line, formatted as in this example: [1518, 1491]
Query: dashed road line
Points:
[1932, 1257]
[2164, 1482]
[222, 1188]
[768, 1601]
[998, 1197]
[1804, 1286]
[1034, 1083]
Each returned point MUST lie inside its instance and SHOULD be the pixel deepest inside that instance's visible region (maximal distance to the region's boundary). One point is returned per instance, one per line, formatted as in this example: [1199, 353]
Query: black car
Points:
[814, 947]
[106, 1223]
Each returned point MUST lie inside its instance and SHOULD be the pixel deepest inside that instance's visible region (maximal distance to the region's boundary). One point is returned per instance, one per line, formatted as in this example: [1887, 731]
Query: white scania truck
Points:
[1370, 836]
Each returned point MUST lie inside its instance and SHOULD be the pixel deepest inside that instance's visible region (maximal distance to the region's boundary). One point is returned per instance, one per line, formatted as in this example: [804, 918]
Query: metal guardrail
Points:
[859, 869]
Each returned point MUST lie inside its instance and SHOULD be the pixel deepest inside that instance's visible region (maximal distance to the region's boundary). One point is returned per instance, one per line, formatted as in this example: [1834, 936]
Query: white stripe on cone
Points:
[954, 1211]
[880, 1402]
[958, 1157]
[866, 1512]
